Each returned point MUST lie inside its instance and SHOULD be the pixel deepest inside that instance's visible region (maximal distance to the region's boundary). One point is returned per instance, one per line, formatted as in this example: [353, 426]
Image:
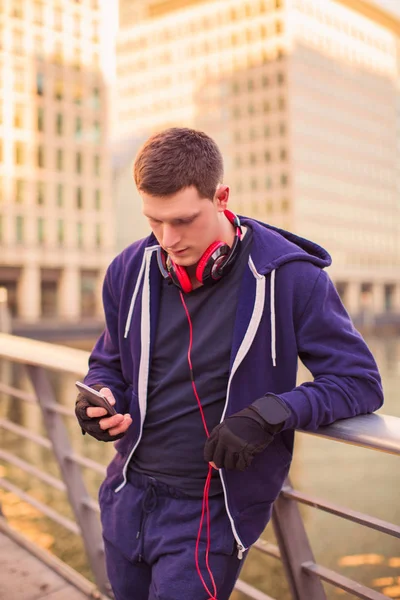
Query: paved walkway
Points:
[25, 576]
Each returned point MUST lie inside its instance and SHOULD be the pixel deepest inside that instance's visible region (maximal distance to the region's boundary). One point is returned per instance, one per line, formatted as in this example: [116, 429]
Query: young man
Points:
[205, 320]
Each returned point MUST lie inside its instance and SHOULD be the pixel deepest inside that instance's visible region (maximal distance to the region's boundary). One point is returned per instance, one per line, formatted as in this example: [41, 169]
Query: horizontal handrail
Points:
[346, 584]
[43, 354]
[375, 431]
[32, 470]
[43, 508]
[340, 511]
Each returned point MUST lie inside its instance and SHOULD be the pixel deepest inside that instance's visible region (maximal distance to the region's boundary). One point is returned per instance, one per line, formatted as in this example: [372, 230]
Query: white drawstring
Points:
[273, 328]
[135, 293]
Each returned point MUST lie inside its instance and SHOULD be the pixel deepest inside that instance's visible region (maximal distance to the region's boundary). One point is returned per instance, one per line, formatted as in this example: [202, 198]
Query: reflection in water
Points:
[360, 479]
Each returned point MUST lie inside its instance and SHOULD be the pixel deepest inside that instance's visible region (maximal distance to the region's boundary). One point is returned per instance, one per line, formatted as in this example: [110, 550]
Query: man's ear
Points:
[222, 197]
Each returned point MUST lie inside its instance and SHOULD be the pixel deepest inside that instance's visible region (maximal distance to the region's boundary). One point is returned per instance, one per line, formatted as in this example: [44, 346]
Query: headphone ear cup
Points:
[180, 277]
[203, 265]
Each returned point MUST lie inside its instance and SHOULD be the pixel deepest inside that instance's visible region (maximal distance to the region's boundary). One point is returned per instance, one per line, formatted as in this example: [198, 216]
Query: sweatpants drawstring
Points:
[149, 503]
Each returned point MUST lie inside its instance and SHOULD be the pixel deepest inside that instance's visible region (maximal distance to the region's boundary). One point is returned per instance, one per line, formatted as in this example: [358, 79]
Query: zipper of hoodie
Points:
[242, 352]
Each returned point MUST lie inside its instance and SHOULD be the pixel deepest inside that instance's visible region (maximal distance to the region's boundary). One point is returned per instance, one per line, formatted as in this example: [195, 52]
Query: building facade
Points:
[56, 216]
[303, 98]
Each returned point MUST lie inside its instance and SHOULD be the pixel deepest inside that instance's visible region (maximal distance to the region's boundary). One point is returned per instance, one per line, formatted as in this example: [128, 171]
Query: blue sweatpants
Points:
[150, 532]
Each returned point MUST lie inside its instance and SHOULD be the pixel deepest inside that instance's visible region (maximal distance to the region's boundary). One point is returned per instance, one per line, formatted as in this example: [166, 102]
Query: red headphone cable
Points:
[205, 511]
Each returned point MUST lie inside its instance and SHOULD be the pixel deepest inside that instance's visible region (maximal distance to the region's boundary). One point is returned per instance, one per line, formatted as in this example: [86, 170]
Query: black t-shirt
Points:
[171, 448]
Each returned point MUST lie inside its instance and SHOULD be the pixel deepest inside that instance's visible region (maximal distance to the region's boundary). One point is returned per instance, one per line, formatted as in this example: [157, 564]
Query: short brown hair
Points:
[178, 158]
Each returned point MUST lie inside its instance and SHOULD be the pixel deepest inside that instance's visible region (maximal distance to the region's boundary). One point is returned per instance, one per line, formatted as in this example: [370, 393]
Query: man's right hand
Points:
[93, 421]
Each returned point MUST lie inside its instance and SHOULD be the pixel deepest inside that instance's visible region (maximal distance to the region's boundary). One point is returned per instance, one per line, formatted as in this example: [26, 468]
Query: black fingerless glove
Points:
[234, 442]
[91, 425]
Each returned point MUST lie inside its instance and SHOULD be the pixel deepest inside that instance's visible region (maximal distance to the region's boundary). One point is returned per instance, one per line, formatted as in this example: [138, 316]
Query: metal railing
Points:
[304, 575]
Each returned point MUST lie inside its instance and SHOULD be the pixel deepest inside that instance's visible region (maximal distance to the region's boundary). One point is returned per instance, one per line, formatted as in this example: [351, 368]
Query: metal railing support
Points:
[71, 473]
[295, 549]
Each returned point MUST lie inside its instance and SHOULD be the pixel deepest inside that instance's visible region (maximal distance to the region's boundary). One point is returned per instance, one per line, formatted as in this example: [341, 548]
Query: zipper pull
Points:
[240, 551]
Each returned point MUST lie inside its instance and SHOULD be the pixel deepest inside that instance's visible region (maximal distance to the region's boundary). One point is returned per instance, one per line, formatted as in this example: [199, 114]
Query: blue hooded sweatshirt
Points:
[287, 308]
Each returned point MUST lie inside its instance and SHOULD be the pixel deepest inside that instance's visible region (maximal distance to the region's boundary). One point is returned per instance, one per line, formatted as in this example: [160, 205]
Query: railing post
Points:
[295, 549]
[72, 476]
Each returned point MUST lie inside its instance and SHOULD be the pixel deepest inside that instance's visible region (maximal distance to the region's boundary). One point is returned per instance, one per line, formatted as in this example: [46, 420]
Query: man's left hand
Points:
[234, 442]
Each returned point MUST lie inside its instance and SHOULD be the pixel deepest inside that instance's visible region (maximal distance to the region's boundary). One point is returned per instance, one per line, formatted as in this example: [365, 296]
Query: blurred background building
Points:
[56, 208]
[303, 98]
[301, 95]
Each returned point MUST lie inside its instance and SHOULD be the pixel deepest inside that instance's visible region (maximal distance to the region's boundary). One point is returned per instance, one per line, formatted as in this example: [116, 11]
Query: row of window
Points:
[141, 61]
[257, 158]
[265, 107]
[39, 12]
[42, 226]
[42, 196]
[20, 157]
[255, 183]
[91, 133]
[208, 22]
[259, 207]
[264, 81]
[78, 93]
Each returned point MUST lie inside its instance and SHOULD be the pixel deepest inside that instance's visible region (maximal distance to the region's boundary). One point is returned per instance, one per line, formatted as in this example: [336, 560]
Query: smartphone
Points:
[95, 398]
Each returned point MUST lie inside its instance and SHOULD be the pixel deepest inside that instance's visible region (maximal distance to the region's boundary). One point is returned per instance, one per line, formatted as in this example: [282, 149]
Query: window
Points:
[265, 81]
[58, 53]
[40, 193]
[19, 116]
[284, 180]
[95, 100]
[79, 198]
[78, 162]
[38, 13]
[77, 25]
[98, 235]
[97, 164]
[268, 182]
[40, 157]
[40, 118]
[97, 200]
[253, 184]
[78, 128]
[17, 9]
[283, 154]
[19, 79]
[78, 94]
[19, 151]
[280, 78]
[79, 234]
[96, 132]
[60, 232]
[59, 124]
[60, 160]
[281, 103]
[39, 47]
[40, 230]
[18, 42]
[282, 129]
[252, 158]
[19, 191]
[59, 90]
[267, 156]
[60, 194]
[19, 229]
[266, 106]
[285, 205]
[58, 19]
[39, 84]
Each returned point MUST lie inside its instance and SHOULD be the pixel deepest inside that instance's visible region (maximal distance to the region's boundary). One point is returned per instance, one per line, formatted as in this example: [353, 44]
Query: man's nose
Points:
[170, 236]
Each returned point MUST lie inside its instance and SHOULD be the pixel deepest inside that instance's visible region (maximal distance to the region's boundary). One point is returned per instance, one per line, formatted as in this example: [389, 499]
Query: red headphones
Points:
[216, 261]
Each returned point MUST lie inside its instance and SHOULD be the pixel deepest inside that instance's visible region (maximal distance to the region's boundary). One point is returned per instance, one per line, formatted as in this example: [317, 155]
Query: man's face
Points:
[185, 224]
